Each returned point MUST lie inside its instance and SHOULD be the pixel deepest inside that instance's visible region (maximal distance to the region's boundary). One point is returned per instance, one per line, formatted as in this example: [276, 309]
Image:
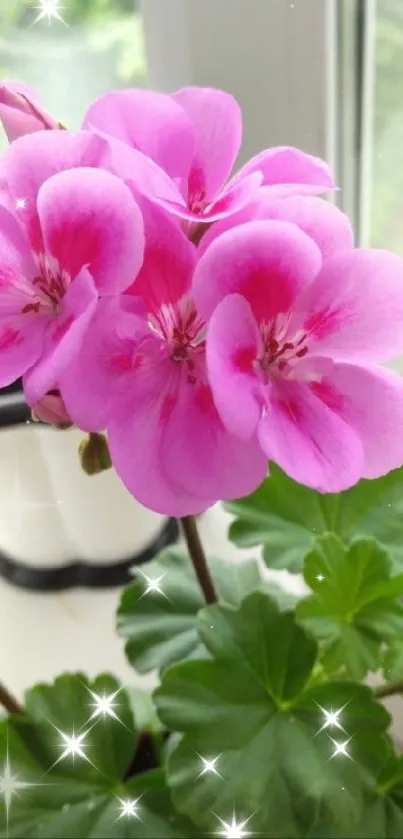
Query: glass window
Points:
[98, 48]
[387, 156]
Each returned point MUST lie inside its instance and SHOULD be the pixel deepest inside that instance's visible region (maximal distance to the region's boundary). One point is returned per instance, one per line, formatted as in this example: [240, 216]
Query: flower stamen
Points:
[47, 289]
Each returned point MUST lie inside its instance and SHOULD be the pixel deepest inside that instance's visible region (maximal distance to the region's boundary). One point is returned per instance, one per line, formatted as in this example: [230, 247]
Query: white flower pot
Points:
[60, 527]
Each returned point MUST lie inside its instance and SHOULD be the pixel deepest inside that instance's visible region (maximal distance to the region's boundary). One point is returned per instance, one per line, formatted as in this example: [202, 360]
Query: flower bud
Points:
[20, 111]
[52, 410]
[94, 454]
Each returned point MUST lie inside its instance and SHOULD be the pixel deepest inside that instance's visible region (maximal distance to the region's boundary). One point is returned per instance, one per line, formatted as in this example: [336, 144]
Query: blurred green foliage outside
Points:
[100, 48]
[387, 168]
[104, 49]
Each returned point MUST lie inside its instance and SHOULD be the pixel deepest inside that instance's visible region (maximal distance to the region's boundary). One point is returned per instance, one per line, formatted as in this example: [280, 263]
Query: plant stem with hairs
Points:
[197, 555]
[8, 702]
[389, 689]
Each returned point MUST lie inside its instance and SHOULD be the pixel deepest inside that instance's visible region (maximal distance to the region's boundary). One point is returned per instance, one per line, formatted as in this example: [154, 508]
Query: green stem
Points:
[8, 702]
[198, 558]
[389, 689]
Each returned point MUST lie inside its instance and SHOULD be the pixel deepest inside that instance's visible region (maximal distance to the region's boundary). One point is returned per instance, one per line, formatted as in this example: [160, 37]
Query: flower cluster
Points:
[209, 323]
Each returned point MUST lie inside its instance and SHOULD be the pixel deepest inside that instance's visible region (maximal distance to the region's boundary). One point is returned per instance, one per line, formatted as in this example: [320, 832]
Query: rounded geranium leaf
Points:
[254, 706]
[159, 624]
[286, 517]
[354, 607]
[64, 768]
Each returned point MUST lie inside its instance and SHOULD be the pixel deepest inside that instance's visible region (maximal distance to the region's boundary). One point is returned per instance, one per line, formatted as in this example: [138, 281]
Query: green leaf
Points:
[255, 706]
[390, 797]
[383, 812]
[161, 628]
[81, 797]
[393, 661]
[286, 517]
[353, 605]
[144, 711]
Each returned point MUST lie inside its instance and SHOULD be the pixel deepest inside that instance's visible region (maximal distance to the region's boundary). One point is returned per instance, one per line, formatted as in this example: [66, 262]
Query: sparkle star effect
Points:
[129, 808]
[340, 749]
[10, 785]
[331, 718]
[104, 706]
[153, 585]
[209, 765]
[319, 578]
[49, 9]
[20, 203]
[73, 745]
[234, 829]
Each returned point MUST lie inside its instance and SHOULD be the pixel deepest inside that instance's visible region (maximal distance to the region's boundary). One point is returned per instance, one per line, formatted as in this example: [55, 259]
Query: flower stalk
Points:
[389, 689]
[8, 701]
[198, 558]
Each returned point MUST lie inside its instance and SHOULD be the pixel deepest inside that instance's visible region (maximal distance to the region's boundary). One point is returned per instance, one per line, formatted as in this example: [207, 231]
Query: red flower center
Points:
[46, 289]
[280, 356]
[183, 332]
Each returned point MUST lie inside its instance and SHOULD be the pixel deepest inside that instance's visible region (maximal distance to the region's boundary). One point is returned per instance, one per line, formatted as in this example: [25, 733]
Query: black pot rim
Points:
[79, 574]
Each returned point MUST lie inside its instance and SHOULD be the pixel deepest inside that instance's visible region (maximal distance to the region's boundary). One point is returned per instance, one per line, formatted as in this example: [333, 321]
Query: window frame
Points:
[355, 95]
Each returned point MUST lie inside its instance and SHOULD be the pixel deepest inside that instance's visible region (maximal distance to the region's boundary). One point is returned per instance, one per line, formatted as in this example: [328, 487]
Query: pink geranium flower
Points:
[142, 375]
[297, 325]
[322, 221]
[21, 111]
[191, 140]
[76, 235]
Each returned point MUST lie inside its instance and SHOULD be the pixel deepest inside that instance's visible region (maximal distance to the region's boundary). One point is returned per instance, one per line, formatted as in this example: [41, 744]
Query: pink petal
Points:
[309, 440]
[200, 454]
[268, 262]
[21, 335]
[233, 345]
[169, 260]
[370, 400]
[31, 160]
[319, 219]
[145, 176]
[355, 307]
[135, 435]
[64, 336]
[21, 112]
[90, 219]
[290, 171]
[21, 342]
[150, 122]
[227, 203]
[249, 212]
[232, 199]
[15, 258]
[105, 361]
[217, 125]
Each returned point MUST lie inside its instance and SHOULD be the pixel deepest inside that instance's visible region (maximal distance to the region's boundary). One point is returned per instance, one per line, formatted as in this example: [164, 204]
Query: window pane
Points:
[387, 160]
[99, 49]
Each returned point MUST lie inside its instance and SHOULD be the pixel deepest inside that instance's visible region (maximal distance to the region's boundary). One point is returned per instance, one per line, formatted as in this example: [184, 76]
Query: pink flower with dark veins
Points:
[21, 111]
[79, 236]
[142, 375]
[298, 322]
[179, 150]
